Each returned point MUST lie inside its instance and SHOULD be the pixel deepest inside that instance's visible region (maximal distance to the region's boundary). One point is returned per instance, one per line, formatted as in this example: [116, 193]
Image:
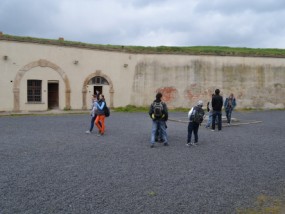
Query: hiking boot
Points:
[165, 144]
[152, 146]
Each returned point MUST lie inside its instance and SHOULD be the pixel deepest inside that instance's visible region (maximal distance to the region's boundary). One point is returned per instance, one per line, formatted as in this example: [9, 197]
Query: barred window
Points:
[98, 81]
[34, 91]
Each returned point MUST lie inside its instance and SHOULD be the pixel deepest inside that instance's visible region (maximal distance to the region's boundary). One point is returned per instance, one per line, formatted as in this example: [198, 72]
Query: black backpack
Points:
[106, 111]
[197, 115]
[157, 109]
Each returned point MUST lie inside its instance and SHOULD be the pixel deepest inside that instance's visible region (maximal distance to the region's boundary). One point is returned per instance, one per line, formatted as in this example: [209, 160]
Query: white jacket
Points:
[93, 108]
[190, 112]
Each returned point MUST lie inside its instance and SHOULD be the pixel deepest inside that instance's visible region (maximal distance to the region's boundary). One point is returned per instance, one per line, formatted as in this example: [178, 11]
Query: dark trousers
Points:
[192, 127]
[217, 114]
[229, 115]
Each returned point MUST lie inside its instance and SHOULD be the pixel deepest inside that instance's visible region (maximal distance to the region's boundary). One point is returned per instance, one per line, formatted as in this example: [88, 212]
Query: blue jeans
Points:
[209, 123]
[192, 127]
[92, 123]
[229, 115]
[217, 114]
[158, 136]
[162, 125]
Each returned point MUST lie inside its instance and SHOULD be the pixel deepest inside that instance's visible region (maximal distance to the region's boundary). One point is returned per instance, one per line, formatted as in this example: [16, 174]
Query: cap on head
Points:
[200, 103]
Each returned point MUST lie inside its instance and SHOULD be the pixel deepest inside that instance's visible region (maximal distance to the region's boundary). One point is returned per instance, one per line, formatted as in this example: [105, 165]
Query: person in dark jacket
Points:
[158, 112]
[217, 104]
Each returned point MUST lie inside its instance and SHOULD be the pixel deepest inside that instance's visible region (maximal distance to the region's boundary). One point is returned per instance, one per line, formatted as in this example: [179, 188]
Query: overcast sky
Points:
[234, 23]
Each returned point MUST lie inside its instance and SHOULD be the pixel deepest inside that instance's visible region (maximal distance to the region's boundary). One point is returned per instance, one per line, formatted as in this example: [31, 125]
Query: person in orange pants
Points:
[100, 119]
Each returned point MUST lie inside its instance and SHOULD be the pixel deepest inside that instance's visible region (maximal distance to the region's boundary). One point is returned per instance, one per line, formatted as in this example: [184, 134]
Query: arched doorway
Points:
[100, 82]
[41, 63]
[97, 84]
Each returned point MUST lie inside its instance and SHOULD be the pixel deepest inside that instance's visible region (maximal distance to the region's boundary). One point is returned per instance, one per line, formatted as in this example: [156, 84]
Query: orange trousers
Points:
[101, 125]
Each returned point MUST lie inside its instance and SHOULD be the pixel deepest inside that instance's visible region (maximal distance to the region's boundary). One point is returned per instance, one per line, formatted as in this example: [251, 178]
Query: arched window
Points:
[98, 81]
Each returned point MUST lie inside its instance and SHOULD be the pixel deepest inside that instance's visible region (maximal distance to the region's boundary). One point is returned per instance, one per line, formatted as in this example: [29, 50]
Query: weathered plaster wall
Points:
[135, 78]
[256, 82]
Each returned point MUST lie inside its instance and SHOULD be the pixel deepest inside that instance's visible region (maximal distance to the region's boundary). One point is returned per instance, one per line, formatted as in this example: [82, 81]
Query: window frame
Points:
[98, 80]
[34, 91]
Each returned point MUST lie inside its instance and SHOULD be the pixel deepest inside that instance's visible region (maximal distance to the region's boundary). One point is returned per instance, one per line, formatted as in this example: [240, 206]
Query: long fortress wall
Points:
[134, 79]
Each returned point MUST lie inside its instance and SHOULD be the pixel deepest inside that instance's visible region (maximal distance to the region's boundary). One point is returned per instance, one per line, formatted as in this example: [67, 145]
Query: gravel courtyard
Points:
[49, 165]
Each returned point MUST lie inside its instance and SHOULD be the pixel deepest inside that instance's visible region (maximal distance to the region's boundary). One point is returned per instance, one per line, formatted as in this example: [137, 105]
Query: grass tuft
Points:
[265, 205]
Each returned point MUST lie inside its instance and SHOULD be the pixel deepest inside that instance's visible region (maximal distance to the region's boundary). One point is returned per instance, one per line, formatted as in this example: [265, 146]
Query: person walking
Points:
[93, 113]
[195, 116]
[217, 104]
[158, 112]
[100, 119]
[229, 105]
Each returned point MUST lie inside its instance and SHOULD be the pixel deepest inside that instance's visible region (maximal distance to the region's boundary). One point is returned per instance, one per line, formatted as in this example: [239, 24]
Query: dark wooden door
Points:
[52, 95]
[98, 89]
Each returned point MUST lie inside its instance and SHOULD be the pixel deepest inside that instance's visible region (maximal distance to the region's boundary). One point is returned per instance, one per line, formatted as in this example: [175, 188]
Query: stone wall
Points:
[134, 79]
[255, 82]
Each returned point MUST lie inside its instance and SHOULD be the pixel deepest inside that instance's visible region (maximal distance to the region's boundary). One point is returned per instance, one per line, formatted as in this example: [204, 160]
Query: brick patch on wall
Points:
[169, 93]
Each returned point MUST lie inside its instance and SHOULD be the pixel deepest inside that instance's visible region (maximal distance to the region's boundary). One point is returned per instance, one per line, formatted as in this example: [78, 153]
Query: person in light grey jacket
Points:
[93, 113]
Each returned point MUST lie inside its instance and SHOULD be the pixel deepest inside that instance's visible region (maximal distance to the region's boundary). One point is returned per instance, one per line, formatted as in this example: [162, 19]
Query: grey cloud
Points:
[26, 17]
[237, 23]
[144, 3]
[237, 6]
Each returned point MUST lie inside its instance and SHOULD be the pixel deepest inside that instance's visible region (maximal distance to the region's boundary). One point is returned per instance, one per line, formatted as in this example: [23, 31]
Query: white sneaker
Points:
[88, 132]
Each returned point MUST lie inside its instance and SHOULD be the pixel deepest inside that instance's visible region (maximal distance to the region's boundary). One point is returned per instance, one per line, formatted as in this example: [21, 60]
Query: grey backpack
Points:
[157, 109]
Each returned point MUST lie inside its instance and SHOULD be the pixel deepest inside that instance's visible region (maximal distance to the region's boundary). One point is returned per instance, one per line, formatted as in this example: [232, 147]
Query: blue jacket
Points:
[230, 105]
[100, 107]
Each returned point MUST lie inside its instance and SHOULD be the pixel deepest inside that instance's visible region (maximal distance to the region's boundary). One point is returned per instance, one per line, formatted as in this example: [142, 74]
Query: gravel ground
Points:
[49, 165]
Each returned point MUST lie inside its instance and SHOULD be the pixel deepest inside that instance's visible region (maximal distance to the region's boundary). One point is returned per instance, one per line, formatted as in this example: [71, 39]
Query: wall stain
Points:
[169, 94]
[183, 84]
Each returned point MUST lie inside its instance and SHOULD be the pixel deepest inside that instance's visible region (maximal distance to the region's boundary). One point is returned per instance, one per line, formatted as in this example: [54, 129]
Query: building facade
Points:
[38, 77]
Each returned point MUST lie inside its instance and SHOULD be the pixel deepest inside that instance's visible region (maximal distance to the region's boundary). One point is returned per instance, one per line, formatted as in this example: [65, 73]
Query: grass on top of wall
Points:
[187, 50]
